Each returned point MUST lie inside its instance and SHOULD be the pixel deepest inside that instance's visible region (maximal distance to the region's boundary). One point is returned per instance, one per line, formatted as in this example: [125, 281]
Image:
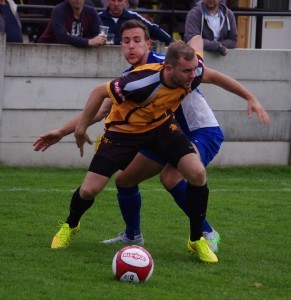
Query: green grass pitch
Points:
[248, 206]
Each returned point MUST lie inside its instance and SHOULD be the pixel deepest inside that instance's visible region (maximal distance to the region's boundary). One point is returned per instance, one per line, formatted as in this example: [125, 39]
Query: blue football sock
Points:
[179, 193]
[129, 200]
[206, 226]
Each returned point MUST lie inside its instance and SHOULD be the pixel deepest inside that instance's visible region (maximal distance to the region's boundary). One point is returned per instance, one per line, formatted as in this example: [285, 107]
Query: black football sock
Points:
[196, 207]
[77, 208]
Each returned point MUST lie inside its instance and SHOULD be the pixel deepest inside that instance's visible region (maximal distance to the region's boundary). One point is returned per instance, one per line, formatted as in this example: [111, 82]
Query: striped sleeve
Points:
[199, 73]
[136, 87]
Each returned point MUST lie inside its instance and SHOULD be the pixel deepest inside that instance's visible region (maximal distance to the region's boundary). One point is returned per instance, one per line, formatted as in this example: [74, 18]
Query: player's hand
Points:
[81, 137]
[47, 139]
[255, 106]
[88, 140]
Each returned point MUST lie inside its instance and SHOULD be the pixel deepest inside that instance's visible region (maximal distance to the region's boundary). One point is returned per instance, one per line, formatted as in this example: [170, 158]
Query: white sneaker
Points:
[123, 239]
[213, 239]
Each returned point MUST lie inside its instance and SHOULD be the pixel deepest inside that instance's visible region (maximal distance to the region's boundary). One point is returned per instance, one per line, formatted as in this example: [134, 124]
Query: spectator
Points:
[9, 21]
[116, 14]
[74, 23]
[215, 23]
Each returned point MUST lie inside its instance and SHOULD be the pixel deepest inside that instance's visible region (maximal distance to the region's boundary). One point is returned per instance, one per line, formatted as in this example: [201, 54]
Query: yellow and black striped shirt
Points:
[141, 101]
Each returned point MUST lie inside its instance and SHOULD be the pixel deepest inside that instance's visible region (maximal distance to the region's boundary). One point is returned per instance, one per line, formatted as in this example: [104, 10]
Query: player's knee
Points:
[125, 180]
[167, 180]
[198, 177]
[87, 192]
[119, 180]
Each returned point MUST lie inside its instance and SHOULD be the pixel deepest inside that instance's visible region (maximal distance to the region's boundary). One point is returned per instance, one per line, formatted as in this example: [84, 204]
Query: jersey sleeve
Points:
[137, 86]
[199, 73]
[115, 91]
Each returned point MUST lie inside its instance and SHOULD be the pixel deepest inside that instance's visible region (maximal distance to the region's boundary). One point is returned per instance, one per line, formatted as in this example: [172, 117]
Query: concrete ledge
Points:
[66, 154]
[43, 60]
[253, 153]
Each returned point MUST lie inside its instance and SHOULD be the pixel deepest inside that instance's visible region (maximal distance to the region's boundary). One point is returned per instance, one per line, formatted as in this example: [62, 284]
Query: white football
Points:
[133, 264]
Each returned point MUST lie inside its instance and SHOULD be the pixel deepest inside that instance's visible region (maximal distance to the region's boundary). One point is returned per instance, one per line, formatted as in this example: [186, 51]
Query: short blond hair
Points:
[177, 50]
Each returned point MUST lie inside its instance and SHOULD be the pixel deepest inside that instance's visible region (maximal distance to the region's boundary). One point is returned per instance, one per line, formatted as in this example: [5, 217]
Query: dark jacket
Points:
[59, 28]
[156, 33]
[197, 24]
[10, 23]
[2, 22]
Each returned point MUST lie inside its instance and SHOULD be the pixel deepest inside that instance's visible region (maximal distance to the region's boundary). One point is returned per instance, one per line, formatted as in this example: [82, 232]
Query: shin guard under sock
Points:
[129, 200]
[196, 207]
[77, 208]
[178, 192]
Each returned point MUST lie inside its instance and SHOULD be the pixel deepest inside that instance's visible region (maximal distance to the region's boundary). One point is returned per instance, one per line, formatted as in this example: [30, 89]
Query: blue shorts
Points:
[207, 140]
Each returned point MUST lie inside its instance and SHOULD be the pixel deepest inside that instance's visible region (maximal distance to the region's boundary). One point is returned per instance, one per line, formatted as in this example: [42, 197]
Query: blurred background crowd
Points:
[34, 30]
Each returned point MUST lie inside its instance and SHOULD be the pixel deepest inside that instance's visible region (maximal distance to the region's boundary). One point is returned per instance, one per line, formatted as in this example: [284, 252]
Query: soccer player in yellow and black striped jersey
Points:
[146, 101]
[131, 114]
[142, 118]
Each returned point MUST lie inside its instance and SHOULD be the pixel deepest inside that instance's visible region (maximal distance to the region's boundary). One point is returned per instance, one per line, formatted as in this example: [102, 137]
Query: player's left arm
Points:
[197, 44]
[233, 86]
[103, 111]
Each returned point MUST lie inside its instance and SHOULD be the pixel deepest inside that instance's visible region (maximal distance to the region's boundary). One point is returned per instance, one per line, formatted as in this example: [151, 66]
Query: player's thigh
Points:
[170, 176]
[191, 167]
[92, 185]
[141, 168]
[196, 149]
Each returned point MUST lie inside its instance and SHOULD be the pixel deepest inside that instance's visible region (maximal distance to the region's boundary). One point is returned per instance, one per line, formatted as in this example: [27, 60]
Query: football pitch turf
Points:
[248, 206]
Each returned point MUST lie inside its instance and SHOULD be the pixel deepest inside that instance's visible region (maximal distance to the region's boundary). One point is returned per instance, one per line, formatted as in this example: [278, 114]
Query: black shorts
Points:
[117, 150]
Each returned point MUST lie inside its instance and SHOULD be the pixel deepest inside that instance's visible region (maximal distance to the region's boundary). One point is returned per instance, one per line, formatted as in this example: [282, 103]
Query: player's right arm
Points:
[45, 140]
[233, 86]
[93, 105]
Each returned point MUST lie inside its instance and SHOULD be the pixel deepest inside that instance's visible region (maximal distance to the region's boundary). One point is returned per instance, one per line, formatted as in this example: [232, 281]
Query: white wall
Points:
[43, 86]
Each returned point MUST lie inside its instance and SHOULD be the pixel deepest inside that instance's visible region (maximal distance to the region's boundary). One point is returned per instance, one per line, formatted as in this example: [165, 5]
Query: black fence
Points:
[38, 15]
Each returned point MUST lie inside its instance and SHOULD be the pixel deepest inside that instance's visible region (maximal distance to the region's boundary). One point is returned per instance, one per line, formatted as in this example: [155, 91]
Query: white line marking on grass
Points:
[246, 190]
[251, 190]
[35, 190]
[229, 190]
